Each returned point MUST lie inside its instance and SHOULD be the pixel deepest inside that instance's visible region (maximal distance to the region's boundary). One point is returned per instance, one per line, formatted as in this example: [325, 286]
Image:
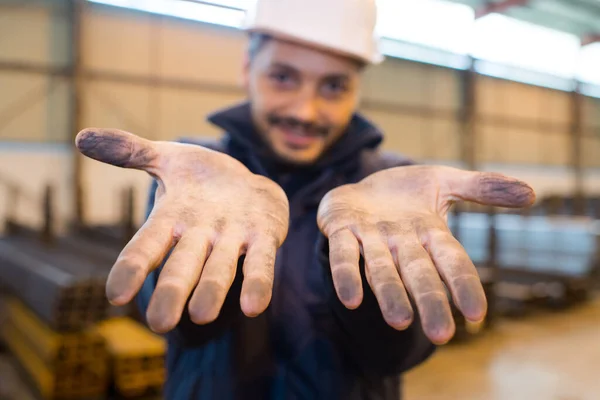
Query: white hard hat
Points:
[342, 26]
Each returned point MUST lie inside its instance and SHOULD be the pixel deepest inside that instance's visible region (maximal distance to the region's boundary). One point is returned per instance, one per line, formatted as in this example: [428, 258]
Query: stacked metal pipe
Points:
[136, 356]
[61, 365]
[65, 290]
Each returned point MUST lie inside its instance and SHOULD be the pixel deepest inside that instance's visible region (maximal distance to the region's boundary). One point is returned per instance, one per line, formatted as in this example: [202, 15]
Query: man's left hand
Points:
[397, 220]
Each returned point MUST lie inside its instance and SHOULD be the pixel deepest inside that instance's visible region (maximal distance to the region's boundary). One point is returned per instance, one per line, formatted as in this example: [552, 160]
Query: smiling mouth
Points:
[298, 138]
[298, 134]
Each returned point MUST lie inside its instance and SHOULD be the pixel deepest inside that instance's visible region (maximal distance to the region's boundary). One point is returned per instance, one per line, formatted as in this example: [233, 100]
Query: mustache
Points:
[292, 122]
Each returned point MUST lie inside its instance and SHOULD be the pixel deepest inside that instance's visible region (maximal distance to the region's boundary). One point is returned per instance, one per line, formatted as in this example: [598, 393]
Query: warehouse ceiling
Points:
[579, 17]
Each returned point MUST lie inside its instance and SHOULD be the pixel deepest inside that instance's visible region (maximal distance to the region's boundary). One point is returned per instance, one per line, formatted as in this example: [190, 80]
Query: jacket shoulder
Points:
[209, 143]
[377, 160]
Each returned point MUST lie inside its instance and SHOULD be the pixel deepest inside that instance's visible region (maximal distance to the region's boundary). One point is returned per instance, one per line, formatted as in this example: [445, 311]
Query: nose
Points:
[306, 108]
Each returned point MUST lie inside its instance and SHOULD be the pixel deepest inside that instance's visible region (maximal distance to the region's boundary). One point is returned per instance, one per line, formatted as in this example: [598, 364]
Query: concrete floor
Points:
[551, 356]
[12, 386]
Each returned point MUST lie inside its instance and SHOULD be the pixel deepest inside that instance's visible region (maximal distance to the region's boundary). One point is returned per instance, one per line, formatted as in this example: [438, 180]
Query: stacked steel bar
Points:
[62, 278]
[103, 253]
[136, 355]
[66, 291]
[62, 366]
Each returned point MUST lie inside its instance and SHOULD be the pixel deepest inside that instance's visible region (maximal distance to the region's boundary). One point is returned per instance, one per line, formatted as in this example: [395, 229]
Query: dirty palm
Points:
[210, 210]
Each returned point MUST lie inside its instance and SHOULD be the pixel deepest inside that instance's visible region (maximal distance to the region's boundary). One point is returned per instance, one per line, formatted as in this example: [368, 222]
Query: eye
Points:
[335, 87]
[283, 79]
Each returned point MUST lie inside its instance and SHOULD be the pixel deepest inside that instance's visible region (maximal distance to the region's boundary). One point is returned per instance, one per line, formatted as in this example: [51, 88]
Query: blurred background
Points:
[509, 85]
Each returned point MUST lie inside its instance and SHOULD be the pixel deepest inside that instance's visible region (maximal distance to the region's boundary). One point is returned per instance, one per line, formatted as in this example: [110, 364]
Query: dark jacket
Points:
[307, 345]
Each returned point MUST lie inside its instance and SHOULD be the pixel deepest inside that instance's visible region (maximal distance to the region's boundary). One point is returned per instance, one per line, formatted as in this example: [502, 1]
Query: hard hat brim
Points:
[374, 60]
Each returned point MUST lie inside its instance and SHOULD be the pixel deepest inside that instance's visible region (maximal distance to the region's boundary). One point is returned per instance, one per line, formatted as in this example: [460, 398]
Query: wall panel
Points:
[58, 106]
[403, 133]
[117, 40]
[487, 149]
[521, 146]
[509, 145]
[555, 149]
[184, 112]
[491, 98]
[397, 82]
[523, 101]
[201, 52]
[24, 34]
[37, 33]
[445, 91]
[591, 151]
[443, 140]
[556, 107]
[591, 112]
[117, 105]
[24, 106]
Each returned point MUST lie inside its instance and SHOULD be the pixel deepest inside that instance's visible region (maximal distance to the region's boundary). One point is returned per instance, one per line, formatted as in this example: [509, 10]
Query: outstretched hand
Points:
[397, 220]
[209, 209]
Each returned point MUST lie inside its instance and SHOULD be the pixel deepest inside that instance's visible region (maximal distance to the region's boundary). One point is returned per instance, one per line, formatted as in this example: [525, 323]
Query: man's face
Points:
[302, 98]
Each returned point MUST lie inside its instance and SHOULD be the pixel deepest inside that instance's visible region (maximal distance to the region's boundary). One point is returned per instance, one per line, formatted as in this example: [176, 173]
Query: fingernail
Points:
[346, 293]
[163, 314]
[471, 300]
[121, 283]
[255, 297]
[348, 287]
[204, 308]
[438, 323]
[396, 308]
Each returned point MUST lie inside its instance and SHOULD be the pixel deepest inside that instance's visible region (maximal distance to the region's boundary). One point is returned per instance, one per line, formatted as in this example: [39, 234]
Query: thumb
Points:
[118, 148]
[489, 188]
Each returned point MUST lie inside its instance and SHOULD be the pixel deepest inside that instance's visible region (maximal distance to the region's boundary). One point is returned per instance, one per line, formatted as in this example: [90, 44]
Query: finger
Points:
[178, 277]
[144, 252]
[216, 279]
[385, 282]
[425, 286]
[259, 272]
[459, 273]
[344, 257]
[118, 148]
[491, 189]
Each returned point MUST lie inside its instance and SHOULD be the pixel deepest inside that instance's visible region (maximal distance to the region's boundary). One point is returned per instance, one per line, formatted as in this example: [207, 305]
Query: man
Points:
[287, 260]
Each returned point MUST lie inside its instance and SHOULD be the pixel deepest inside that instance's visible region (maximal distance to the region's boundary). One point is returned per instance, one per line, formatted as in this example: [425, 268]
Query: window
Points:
[432, 23]
[222, 12]
[439, 32]
[589, 64]
[507, 41]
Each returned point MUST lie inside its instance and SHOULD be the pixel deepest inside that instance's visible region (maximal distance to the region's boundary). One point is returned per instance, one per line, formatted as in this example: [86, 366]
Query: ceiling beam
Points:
[590, 38]
[498, 7]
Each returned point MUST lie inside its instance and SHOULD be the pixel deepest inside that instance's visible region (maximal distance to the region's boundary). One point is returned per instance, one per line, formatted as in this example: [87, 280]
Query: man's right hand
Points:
[210, 209]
